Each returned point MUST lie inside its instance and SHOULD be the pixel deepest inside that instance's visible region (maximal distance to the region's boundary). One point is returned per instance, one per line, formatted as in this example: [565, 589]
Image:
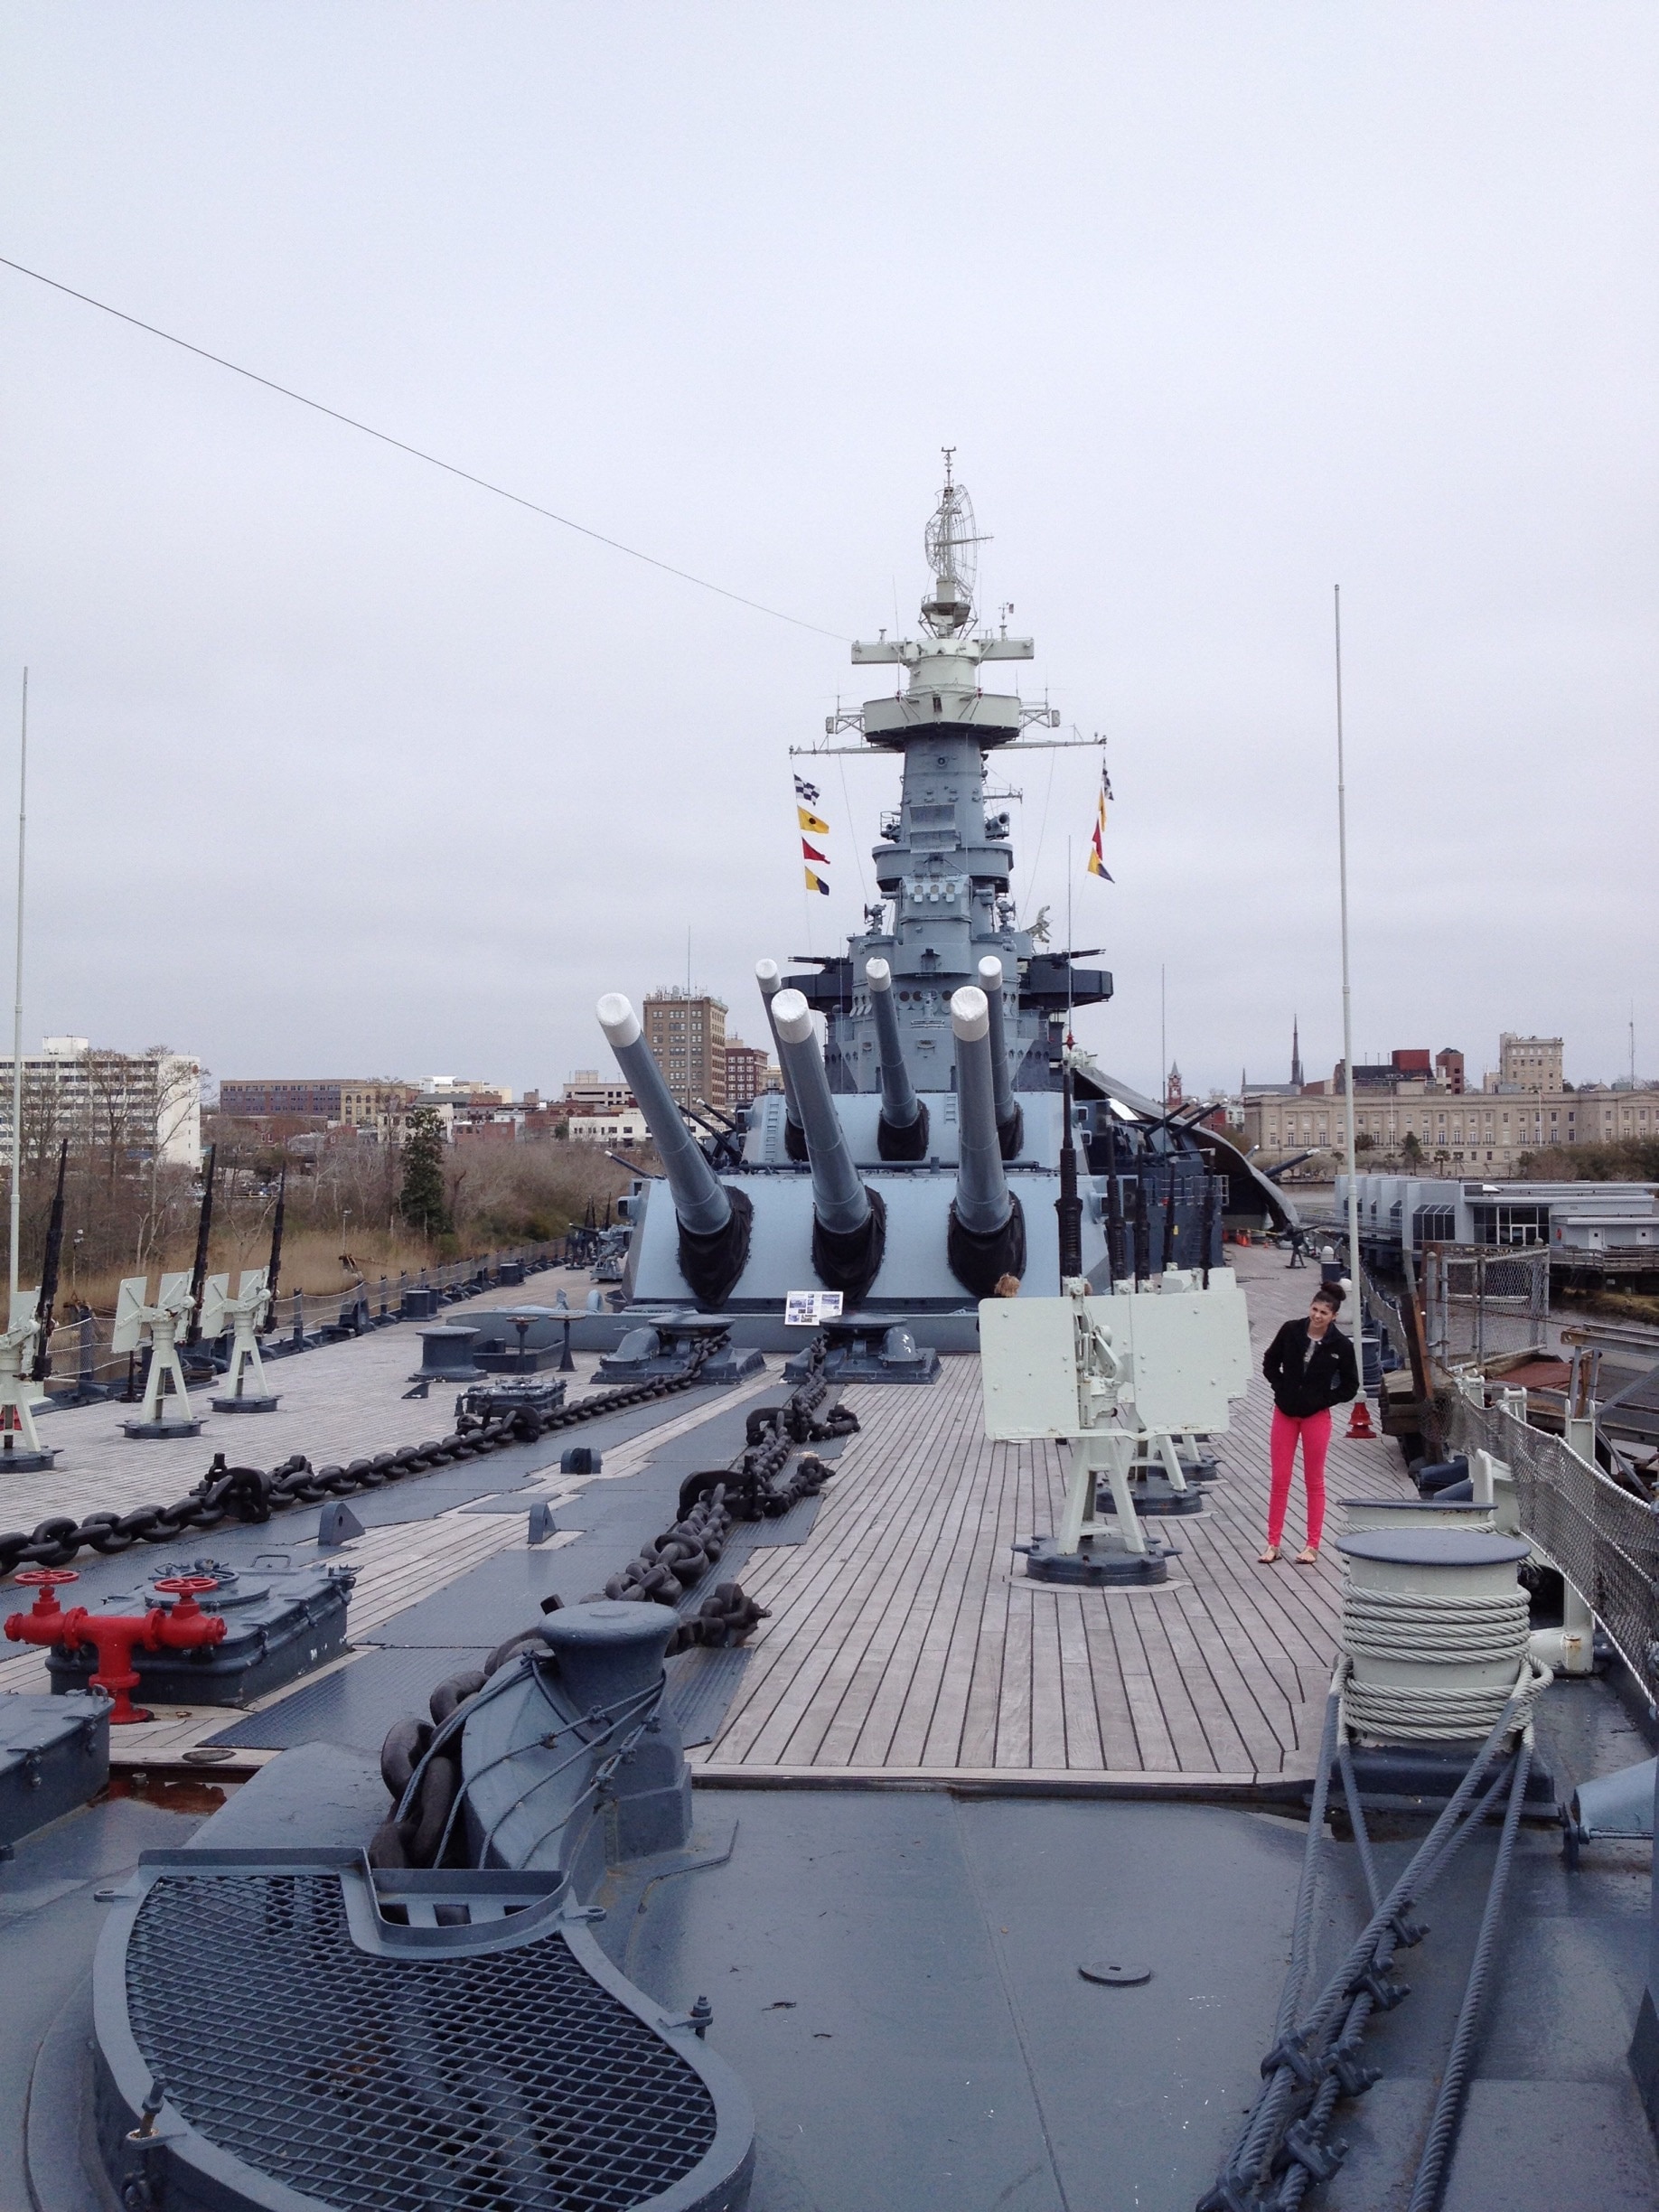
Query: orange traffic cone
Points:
[1360, 1430]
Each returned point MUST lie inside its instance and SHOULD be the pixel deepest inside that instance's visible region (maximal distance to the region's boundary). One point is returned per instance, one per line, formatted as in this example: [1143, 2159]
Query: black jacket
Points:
[1304, 1385]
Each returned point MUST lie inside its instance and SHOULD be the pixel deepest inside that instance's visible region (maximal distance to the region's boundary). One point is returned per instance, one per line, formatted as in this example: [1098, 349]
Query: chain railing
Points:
[1603, 1538]
[82, 1354]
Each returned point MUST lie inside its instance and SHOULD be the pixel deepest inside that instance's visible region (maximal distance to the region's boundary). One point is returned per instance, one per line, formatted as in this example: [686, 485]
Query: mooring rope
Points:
[1410, 1629]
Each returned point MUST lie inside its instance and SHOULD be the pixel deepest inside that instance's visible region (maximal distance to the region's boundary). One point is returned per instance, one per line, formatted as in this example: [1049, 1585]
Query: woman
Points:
[1311, 1367]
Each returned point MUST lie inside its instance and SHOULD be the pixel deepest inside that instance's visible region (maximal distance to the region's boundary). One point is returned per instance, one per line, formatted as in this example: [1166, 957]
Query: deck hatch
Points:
[481, 2079]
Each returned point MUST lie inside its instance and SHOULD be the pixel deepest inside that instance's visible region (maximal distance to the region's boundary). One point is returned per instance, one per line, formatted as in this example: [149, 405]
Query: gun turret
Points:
[850, 1220]
[901, 1134]
[987, 1237]
[714, 1222]
[769, 976]
[1010, 1121]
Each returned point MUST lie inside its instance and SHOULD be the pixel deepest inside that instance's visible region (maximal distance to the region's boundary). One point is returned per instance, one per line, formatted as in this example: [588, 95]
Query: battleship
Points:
[885, 1777]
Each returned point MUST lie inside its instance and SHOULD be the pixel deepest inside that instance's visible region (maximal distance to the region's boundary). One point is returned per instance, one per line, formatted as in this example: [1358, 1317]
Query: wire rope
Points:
[417, 453]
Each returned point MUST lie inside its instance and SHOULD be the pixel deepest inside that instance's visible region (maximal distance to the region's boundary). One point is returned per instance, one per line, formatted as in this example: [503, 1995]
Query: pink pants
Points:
[1314, 1429]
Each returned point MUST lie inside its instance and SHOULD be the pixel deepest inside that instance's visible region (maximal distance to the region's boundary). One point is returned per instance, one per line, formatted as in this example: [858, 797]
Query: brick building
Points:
[686, 1031]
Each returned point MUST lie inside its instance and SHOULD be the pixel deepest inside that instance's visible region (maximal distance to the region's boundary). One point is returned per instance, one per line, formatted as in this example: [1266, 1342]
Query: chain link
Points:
[251, 1494]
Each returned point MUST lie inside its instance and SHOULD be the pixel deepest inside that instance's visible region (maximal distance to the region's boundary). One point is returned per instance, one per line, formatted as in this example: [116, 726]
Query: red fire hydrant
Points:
[115, 1637]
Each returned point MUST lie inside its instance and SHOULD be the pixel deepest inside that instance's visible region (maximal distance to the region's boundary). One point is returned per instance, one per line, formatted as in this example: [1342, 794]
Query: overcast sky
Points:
[341, 766]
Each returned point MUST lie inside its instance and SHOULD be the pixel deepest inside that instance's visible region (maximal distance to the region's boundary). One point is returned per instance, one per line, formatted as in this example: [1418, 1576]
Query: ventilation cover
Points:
[378, 2043]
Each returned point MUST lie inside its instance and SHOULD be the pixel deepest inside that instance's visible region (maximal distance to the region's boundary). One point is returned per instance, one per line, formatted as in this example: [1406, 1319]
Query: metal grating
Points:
[497, 2081]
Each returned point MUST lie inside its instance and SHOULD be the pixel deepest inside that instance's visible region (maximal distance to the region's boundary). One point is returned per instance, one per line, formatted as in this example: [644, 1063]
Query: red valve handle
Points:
[35, 1577]
[187, 1586]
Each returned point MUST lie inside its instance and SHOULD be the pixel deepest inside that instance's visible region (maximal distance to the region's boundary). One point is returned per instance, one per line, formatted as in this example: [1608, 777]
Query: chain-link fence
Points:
[1479, 1302]
[1604, 1540]
[1382, 1309]
[82, 1356]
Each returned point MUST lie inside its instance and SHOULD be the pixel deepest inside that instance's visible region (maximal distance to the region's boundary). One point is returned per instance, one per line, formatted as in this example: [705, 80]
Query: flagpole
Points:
[22, 787]
[1347, 1012]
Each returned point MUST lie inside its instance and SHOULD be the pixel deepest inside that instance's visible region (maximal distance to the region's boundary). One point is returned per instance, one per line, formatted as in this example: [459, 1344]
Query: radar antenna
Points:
[952, 541]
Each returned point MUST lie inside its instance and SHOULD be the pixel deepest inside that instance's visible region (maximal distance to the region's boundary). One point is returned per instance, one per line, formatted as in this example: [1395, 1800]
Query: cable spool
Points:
[1434, 1630]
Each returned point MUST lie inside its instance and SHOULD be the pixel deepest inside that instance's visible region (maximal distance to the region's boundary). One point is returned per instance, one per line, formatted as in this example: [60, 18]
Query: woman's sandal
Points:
[1309, 1556]
[1269, 1558]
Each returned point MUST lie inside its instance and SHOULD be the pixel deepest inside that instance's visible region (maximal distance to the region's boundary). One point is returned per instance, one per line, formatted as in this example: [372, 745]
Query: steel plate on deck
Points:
[444, 2040]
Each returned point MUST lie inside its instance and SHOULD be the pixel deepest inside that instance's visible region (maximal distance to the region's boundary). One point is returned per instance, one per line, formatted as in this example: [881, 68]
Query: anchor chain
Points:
[252, 1494]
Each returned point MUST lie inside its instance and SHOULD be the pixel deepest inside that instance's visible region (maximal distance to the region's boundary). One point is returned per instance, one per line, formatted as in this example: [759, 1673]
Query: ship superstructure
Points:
[944, 865]
[913, 1160]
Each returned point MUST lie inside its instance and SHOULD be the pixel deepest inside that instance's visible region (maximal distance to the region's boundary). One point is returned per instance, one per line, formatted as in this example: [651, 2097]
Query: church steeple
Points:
[1296, 1053]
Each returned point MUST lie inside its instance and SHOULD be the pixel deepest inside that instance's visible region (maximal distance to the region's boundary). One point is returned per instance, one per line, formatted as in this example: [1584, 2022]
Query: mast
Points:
[945, 859]
[1347, 1020]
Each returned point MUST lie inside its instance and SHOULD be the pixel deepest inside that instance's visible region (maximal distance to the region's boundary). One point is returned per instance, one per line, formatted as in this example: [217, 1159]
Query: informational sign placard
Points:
[810, 1309]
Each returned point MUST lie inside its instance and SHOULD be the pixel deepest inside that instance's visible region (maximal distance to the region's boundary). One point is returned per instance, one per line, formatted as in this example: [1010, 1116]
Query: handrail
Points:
[80, 1348]
[1602, 1537]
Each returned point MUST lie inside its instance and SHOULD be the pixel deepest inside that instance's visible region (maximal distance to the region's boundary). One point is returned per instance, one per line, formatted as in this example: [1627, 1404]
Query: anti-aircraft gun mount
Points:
[914, 1155]
[1116, 1376]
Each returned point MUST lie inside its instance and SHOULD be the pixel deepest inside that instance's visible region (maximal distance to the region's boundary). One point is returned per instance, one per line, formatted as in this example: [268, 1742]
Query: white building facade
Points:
[137, 1103]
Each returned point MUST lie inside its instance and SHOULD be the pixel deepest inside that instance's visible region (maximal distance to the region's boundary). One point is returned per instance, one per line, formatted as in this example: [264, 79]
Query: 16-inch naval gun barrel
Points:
[901, 1134]
[714, 1222]
[987, 1236]
[770, 978]
[1010, 1121]
[848, 1219]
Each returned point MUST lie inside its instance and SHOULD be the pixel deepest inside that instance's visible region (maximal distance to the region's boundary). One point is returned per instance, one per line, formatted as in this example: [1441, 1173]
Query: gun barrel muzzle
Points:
[770, 978]
[983, 1203]
[990, 983]
[699, 1202]
[899, 1103]
[839, 1200]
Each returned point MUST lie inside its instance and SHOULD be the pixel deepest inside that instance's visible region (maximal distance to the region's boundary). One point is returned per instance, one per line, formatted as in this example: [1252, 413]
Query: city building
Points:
[1293, 1089]
[1529, 1063]
[747, 1073]
[1403, 1213]
[463, 1091]
[1434, 1120]
[586, 1092]
[378, 1108]
[481, 1125]
[309, 1098]
[625, 1128]
[134, 1103]
[686, 1031]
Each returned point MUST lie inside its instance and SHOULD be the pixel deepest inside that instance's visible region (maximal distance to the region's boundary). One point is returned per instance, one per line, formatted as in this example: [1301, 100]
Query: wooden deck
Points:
[906, 1643]
[905, 1646]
